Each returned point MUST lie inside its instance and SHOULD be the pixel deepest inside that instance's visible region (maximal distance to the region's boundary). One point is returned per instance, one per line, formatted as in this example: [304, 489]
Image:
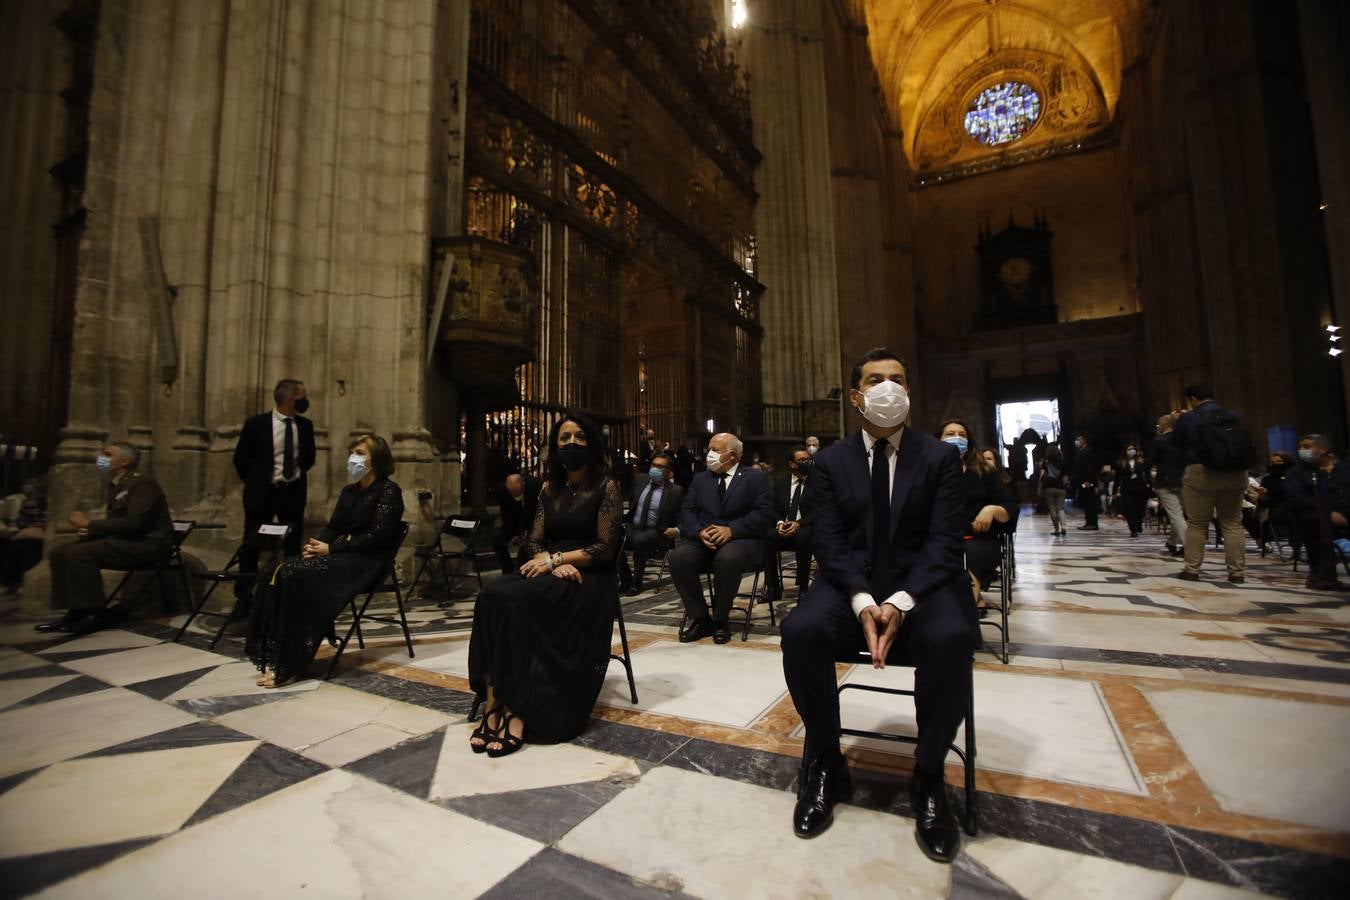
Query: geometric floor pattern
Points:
[1148, 738]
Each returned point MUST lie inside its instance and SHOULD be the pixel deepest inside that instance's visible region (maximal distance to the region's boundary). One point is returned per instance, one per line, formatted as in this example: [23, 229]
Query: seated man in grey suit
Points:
[726, 512]
[652, 514]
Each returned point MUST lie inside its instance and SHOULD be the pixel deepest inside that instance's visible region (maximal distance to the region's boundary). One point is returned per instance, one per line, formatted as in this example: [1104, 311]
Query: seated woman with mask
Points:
[541, 637]
[988, 506]
[297, 601]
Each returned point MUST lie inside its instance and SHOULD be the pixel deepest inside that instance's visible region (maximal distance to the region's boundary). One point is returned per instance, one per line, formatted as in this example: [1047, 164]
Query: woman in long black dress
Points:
[988, 506]
[1132, 486]
[541, 637]
[298, 599]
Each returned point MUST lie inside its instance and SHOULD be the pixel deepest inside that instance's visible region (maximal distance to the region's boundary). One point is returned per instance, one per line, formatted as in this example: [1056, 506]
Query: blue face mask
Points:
[959, 443]
[656, 475]
[1306, 454]
[358, 466]
[103, 463]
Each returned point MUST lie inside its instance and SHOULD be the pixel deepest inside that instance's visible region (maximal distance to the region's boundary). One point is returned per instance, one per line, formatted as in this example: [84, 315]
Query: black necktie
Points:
[883, 566]
[795, 503]
[288, 451]
[646, 506]
[721, 487]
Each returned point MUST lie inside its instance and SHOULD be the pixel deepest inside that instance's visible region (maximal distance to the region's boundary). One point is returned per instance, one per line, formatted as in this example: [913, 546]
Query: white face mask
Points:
[886, 404]
[811, 449]
[358, 465]
[714, 460]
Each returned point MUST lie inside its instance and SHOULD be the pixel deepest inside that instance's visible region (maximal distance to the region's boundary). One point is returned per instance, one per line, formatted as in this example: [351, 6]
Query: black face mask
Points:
[574, 456]
[302, 405]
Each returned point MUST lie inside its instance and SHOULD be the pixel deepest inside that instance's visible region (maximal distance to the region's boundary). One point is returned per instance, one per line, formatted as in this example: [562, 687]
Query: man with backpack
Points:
[1218, 452]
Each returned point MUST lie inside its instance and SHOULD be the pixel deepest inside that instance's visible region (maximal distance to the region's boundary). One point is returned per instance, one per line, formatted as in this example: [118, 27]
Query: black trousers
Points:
[645, 543]
[283, 504]
[77, 582]
[1091, 504]
[800, 544]
[501, 545]
[1133, 507]
[728, 564]
[935, 637]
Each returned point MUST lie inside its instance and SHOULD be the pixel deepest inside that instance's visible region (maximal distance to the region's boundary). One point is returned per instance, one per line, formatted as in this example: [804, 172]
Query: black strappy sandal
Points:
[484, 732]
[509, 742]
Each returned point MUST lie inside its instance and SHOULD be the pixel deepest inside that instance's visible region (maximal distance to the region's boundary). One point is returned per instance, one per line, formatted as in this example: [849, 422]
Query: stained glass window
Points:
[1003, 113]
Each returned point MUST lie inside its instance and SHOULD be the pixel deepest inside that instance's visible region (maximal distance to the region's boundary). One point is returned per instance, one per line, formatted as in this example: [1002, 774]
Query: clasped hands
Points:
[79, 520]
[715, 536]
[880, 624]
[313, 547]
[539, 566]
[788, 529]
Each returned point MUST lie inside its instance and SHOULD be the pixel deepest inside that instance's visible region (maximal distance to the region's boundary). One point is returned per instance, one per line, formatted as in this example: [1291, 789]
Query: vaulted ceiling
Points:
[932, 54]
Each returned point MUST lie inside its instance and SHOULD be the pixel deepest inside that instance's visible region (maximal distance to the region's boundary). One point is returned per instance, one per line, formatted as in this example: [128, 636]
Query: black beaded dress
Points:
[297, 600]
[543, 643]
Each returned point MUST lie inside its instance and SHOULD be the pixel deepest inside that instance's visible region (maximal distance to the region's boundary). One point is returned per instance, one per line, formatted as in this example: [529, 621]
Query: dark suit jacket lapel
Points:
[906, 464]
[859, 475]
[731, 485]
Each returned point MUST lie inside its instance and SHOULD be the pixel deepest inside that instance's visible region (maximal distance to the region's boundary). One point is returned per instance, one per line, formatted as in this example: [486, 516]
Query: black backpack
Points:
[1222, 443]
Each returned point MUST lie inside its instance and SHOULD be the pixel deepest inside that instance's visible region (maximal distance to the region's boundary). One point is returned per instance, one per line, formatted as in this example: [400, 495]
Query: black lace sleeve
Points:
[534, 541]
[384, 526]
[608, 525]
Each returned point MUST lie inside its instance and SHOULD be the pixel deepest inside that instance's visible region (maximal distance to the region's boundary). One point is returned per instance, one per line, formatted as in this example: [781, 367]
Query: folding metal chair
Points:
[756, 594]
[174, 561]
[468, 532]
[385, 581]
[966, 754]
[627, 658]
[1006, 574]
[268, 538]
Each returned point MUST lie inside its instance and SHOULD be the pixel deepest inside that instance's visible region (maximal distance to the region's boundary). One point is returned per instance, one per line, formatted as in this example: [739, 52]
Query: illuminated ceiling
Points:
[934, 56]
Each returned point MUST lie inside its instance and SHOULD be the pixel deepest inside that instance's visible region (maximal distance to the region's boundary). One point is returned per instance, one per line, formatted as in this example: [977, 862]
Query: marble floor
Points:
[1149, 737]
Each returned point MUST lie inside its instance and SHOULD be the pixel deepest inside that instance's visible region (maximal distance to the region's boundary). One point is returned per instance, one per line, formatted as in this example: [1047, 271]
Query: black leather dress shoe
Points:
[721, 632]
[61, 624]
[934, 825]
[697, 630]
[88, 623]
[819, 788]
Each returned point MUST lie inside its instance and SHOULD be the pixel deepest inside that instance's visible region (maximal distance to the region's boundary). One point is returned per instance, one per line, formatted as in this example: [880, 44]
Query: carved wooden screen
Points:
[613, 139]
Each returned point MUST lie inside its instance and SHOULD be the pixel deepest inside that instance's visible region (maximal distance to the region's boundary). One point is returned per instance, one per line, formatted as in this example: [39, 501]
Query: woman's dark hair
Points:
[1124, 457]
[381, 460]
[1054, 454]
[596, 467]
[974, 456]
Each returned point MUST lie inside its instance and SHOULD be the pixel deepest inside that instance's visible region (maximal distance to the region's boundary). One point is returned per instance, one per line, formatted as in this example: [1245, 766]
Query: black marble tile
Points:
[42, 671]
[752, 766]
[552, 873]
[211, 707]
[268, 769]
[429, 696]
[1260, 867]
[196, 734]
[409, 766]
[9, 782]
[60, 656]
[24, 875]
[972, 881]
[1177, 661]
[541, 814]
[628, 740]
[159, 688]
[82, 684]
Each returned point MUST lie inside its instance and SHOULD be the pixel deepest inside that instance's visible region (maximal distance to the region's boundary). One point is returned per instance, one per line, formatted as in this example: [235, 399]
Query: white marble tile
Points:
[461, 773]
[16, 690]
[725, 685]
[145, 663]
[331, 723]
[84, 802]
[111, 639]
[335, 836]
[711, 837]
[1280, 759]
[1110, 668]
[1057, 729]
[447, 658]
[33, 736]
[1195, 889]
[1144, 634]
[234, 679]
[1049, 874]
[12, 660]
[1228, 679]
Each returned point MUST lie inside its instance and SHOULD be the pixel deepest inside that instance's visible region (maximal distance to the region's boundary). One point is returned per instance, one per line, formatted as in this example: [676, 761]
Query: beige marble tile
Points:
[1321, 688]
[85, 802]
[335, 836]
[145, 663]
[711, 837]
[111, 639]
[234, 679]
[12, 660]
[1049, 874]
[16, 690]
[1110, 668]
[461, 773]
[33, 736]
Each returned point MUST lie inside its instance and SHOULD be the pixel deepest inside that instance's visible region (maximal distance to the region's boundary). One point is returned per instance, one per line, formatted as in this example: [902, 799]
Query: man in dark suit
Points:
[1086, 480]
[684, 465]
[653, 512]
[274, 453]
[136, 532]
[518, 507]
[889, 523]
[726, 511]
[794, 528]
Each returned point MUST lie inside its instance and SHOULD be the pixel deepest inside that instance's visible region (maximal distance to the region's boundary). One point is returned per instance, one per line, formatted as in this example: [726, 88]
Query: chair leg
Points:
[194, 609]
[403, 618]
[627, 659]
[473, 710]
[750, 606]
[972, 819]
[355, 628]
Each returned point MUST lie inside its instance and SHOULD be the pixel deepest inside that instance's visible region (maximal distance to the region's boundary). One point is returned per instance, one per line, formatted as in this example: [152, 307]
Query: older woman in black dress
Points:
[299, 598]
[541, 637]
[988, 505]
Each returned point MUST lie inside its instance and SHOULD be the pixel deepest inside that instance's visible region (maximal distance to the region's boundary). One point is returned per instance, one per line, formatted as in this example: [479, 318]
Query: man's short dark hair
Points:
[874, 355]
[129, 453]
[286, 389]
[795, 449]
[1200, 391]
[661, 454]
[1317, 440]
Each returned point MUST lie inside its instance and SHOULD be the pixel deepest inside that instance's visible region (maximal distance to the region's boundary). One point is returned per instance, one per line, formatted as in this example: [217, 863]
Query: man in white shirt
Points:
[889, 526]
[794, 528]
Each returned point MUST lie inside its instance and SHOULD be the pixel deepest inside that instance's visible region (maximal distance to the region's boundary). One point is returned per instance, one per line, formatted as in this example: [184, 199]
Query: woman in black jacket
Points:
[1132, 487]
[989, 506]
[1053, 478]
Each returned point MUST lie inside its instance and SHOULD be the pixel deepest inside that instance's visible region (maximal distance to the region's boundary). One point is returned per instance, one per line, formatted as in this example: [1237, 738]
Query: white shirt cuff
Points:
[861, 601]
[901, 600]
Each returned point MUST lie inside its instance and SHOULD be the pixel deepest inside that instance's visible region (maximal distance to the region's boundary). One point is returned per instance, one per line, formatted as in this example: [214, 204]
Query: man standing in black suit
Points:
[889, 525]
[726, 511]
[794, 528]
[274, 453]
[1085, 482]
[518, 507]
[652, 513]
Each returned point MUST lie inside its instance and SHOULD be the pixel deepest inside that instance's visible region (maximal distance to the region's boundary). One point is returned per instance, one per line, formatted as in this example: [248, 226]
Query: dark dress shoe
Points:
[721, 632]
[819, 788]
[1188, 576]
[1236, 579]
[632, 590]
[60, 625]
[90, 622]
[697, 630]
[935, 827]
